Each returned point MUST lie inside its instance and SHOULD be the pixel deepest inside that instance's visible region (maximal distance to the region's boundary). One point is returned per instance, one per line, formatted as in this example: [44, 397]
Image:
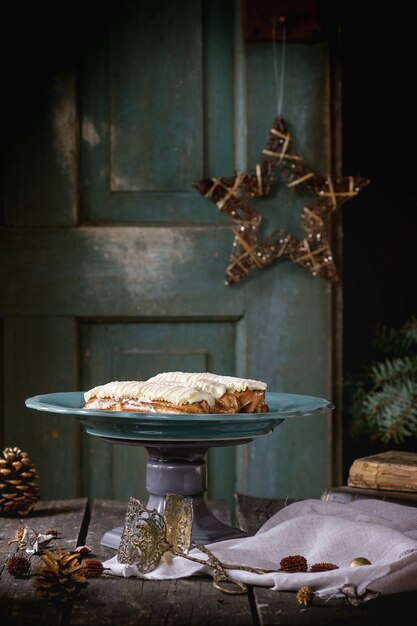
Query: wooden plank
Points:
[285, 463]
[40, 179]
[111, 600]
[291, 348]
[40, 357]
[120, 271]
[218, 88]
[20, 603]
[156, 142]
[278, 607]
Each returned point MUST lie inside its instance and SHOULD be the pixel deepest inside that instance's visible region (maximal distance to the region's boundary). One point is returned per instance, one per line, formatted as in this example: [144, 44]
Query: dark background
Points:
[379, 137]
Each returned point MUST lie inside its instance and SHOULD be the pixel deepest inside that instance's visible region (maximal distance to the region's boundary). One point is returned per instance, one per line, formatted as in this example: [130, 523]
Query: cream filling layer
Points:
[149, 391]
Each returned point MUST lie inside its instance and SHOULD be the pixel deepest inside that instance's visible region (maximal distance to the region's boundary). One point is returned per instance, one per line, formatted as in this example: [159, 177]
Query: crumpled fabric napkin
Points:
[383, 532]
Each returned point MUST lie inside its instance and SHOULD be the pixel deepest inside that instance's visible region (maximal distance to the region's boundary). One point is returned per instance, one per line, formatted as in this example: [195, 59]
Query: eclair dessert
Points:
[180, 392]
[231, 394]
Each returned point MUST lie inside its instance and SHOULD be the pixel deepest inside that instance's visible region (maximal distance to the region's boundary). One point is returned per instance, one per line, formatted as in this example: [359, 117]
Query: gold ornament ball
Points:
[359, 560]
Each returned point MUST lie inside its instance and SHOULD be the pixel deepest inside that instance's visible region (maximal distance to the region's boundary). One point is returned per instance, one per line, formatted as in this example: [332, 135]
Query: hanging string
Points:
[279, 76]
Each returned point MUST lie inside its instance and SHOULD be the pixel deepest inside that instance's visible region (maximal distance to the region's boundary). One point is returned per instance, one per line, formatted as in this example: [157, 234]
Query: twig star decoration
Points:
[233, 195]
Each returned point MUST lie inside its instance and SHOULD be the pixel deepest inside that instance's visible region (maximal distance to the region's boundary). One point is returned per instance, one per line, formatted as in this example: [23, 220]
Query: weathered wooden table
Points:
[118, 601]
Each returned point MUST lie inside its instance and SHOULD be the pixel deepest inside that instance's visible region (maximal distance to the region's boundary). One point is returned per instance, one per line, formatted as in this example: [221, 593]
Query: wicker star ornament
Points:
[233, 195]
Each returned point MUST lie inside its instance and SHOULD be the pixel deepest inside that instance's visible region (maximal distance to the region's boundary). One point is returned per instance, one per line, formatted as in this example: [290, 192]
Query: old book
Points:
[393, 470]
[345, 494]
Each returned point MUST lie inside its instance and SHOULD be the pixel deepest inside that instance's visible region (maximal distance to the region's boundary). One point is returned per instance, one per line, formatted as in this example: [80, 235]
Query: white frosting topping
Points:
[148, 391]
[230, 383]
[216, 389]
[116, 389]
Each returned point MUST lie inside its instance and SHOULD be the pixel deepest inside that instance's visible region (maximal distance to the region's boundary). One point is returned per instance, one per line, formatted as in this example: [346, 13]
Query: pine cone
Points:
[305, 595]
[94, 568]
[18, 490]
[323, 567]
[62, 576]
[18, 566]
[294, 563]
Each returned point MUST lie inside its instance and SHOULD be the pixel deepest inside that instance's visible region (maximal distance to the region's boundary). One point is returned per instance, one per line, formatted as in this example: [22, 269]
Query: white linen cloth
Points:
[382, 532]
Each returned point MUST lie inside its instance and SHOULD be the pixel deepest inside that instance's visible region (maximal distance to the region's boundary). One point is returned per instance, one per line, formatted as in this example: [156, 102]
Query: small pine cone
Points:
[62, 576]
[94, 568]
[294, 563]
[18, 566]
[19, 491]
[305, 595]
[323, 567]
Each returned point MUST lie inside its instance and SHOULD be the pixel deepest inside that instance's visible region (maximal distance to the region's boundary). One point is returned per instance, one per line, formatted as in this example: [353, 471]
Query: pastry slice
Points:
[232, 394]
[149, 397]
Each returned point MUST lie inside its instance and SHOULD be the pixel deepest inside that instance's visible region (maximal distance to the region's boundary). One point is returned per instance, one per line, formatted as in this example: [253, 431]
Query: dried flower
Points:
[18, 537]
[294, 563]
[94, 568]
[305, 595]
[323, 567]
[18, 566]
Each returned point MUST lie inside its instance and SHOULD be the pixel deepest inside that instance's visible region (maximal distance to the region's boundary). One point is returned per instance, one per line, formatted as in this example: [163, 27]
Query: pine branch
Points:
[409, 331]
[381, 400]
[393, 370]
[392, 412]
[392, 341]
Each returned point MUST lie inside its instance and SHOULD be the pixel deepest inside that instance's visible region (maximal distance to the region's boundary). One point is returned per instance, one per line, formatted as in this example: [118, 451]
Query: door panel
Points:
[156, 138]
[151, 96]
[40, 357]
[40, 186]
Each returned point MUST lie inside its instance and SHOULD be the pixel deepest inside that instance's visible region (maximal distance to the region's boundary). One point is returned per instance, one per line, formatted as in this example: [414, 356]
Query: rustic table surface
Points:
[120, 601]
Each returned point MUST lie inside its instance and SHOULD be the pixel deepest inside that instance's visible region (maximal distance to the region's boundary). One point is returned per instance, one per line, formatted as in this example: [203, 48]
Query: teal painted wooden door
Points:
[112, 264]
